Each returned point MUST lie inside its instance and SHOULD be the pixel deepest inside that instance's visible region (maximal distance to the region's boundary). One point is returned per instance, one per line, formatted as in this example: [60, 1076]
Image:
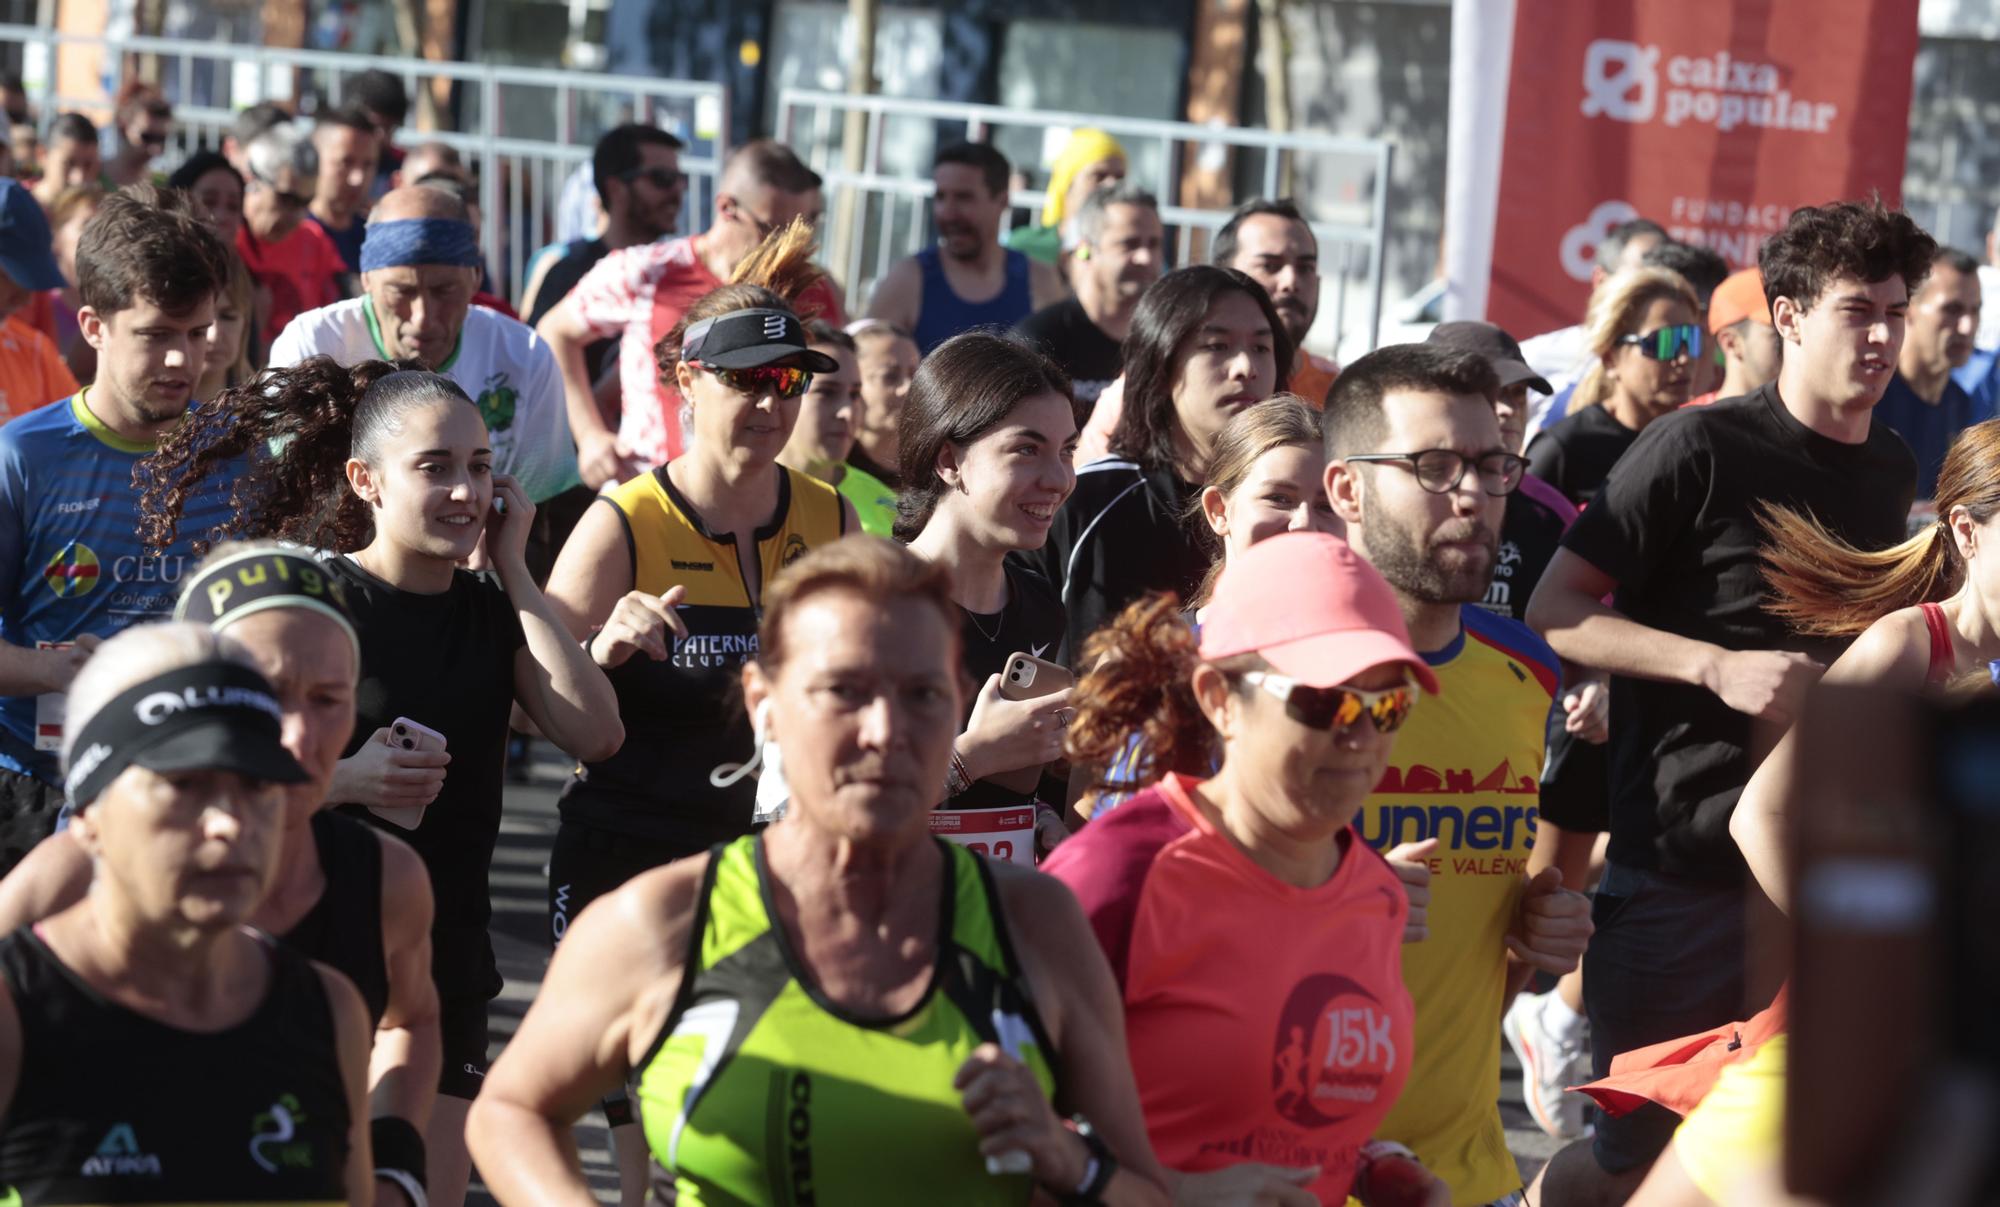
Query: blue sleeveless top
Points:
[945, 314]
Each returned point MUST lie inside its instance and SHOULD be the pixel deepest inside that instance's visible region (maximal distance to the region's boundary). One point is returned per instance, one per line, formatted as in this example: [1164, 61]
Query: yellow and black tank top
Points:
[681, 715]
[762, 1093]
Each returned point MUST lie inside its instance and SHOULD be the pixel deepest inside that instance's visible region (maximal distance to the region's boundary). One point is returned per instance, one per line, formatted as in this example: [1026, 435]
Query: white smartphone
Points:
[409, 735]
[405, 734]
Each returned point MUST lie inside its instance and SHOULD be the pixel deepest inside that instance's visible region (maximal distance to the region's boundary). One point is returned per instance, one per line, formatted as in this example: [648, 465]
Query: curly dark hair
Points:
[1866, 241]
[316, 414]
[1140, 684]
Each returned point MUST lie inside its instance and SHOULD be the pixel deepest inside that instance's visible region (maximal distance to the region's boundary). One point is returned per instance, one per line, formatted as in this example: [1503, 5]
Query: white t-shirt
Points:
[1563, 357]
[1989, 315]
[500, 363]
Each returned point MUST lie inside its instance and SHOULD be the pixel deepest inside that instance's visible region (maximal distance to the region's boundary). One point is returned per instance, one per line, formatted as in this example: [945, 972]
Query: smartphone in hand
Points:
[405, 734]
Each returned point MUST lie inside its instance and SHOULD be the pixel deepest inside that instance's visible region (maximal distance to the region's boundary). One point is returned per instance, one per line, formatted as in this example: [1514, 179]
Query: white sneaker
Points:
[1548, 1064]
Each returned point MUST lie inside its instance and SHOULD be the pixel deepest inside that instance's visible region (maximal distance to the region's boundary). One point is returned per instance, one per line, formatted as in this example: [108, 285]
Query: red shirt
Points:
[636, 295]
[302, 271]
[1266, 1022]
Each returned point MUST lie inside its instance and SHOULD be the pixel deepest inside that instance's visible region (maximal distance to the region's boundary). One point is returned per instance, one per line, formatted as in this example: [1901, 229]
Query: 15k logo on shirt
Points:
[1335, 1047]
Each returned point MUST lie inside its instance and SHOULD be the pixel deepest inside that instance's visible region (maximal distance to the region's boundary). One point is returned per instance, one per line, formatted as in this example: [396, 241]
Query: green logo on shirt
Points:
[273, 1141]
[496, 403]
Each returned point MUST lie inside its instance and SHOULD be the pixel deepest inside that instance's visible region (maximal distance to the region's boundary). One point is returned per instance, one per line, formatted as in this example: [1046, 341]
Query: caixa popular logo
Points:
[1630, 82]
[1335, 1049]
[1579, 242]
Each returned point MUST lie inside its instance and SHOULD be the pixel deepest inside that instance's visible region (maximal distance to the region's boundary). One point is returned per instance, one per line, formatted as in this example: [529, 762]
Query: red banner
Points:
[1714, 119]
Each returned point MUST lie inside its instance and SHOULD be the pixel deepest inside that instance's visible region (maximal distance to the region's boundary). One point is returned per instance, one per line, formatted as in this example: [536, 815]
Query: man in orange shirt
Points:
[1270, 242]
[31, 368]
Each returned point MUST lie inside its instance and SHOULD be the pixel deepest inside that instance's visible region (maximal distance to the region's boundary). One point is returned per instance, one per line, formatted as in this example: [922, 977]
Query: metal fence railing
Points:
[1341, 184]
[522, 130]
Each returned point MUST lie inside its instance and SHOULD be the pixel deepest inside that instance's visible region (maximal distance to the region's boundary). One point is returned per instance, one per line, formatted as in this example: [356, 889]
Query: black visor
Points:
[745, 339]
[212, 716]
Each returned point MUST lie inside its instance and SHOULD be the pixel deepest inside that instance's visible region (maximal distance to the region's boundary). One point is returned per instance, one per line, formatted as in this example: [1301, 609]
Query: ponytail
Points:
[772, 277]
[1824, 587]
[295, 428]
[1139, 685]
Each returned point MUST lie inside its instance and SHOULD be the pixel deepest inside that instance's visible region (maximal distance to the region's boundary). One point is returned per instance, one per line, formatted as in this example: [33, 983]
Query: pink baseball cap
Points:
[1313, 608]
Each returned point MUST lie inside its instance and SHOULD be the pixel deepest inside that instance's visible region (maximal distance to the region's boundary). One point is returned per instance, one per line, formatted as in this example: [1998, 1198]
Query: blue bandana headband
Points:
[406, 242]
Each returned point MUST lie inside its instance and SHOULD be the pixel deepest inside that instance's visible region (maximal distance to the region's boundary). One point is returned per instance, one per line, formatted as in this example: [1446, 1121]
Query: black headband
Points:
[230, 588]
[215, 715]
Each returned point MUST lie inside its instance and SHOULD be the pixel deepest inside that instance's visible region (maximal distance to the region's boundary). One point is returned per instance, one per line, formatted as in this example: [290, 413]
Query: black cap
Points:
[1499, 348]
[215, 715]
[745, 339]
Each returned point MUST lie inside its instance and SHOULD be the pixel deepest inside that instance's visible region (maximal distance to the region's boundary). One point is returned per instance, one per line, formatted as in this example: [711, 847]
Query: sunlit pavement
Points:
[521, 940]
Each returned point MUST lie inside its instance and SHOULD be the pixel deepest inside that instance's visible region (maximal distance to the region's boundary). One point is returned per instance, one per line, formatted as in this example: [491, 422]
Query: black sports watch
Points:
[1097, 1174]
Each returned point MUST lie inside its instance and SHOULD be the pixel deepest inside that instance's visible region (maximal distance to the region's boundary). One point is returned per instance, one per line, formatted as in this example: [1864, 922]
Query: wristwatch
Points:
[1097, 1173]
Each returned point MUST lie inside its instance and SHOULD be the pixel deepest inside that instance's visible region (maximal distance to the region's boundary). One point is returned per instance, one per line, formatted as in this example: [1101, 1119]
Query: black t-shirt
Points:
[1576, 455]
[445, 661]
[581, 256]
[1064, 331]
[1677, 526]
[1031, 623]
[1119, 536]
[1529, 537]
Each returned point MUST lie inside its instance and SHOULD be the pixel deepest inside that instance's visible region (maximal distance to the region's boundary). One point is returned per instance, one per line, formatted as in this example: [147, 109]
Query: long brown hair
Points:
[1140, 684]
[1823, 586]
[1281, 421]
[317, 414]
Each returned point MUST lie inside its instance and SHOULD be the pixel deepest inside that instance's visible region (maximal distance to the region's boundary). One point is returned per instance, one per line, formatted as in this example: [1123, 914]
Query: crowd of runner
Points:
[1050, 738]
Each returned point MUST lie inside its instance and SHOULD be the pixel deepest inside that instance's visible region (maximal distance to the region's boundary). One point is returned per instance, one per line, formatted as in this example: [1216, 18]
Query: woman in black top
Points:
[1205, 344]
[987, 438]
[346, 894]
[392, 471]
[152, 1048]
[1643, 332]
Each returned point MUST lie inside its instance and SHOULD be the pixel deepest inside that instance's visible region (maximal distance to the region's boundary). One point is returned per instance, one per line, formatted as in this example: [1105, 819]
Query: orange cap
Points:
[1739, 297]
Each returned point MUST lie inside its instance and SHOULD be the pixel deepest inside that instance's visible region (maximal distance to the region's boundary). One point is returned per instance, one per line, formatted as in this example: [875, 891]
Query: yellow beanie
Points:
[1086, 146]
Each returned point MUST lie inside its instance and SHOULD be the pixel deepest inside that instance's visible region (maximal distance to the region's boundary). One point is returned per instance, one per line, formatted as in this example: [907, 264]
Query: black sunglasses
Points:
[659, 178]
[294, 201]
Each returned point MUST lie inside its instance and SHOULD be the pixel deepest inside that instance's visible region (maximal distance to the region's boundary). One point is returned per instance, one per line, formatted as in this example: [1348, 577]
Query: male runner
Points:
[968, 279]
[72, 570]
[420, 268]
[638, 294]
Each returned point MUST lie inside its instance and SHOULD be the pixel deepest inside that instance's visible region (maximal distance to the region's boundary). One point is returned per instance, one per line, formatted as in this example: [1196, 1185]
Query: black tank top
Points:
[115, 1107]
[343, 929]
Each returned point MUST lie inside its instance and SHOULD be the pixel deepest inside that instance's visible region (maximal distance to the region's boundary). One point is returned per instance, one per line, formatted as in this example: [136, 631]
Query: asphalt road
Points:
[520, 939]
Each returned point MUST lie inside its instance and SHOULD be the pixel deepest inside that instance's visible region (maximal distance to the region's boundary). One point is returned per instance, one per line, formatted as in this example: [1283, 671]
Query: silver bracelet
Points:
[409, 1184]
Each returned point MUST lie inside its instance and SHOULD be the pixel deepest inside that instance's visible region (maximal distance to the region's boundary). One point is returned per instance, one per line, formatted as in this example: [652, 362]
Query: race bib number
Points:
[50, 707]
[1004, 834]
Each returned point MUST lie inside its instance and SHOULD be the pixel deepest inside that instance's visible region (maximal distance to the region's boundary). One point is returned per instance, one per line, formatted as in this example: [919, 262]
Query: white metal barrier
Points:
[522, 130]
[1341, 184]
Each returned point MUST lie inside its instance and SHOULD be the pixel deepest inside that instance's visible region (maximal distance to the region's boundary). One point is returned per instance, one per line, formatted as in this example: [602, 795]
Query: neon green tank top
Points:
[761, 1092]
[874, 503]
